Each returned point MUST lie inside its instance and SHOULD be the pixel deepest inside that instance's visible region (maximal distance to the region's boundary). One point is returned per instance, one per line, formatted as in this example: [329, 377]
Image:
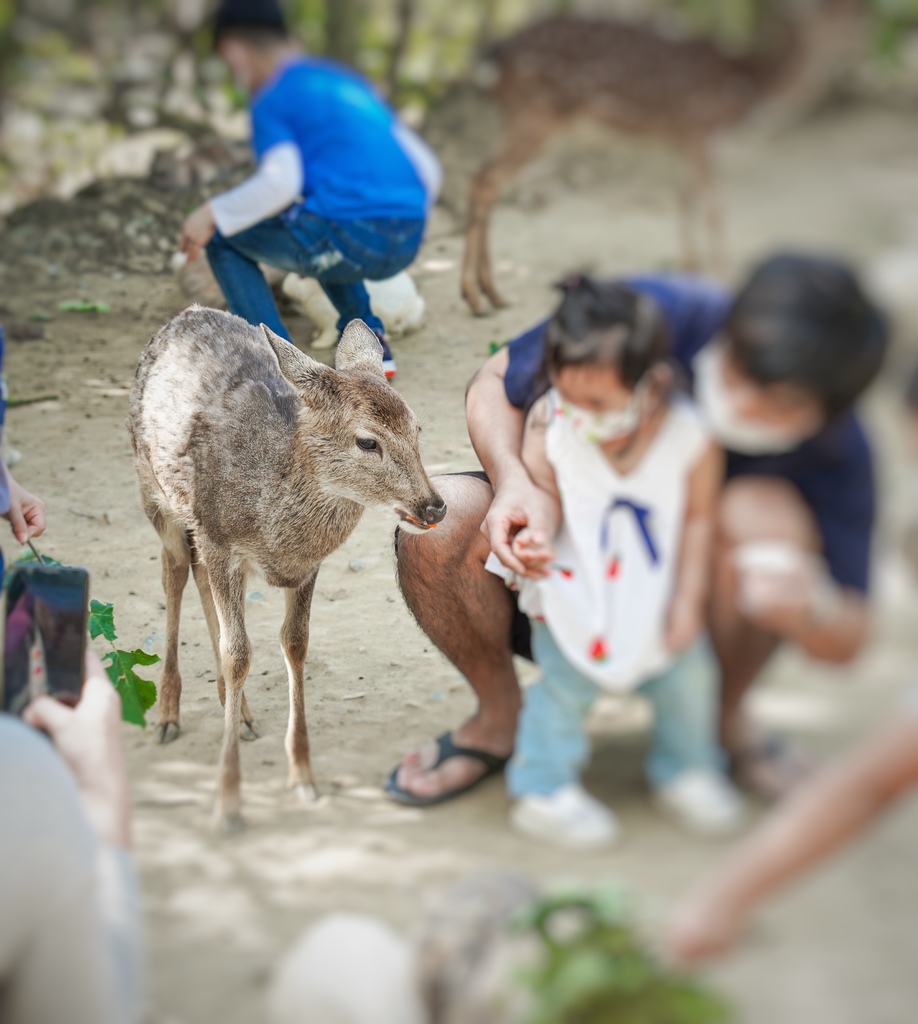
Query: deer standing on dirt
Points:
[630, 78]
[253, 457]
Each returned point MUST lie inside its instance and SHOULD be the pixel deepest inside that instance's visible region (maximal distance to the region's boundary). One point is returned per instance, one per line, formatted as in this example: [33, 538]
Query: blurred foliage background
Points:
[89, 87]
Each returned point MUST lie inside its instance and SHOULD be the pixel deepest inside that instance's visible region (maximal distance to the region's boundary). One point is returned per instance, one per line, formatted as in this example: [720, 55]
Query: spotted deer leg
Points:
[248, 729]
[708, 189]
[227, 584]
[526, 132]
[295, 641]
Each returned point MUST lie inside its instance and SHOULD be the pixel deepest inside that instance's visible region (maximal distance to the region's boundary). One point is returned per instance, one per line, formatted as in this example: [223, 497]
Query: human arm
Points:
[276, 184]
[815, 820]
[496, 431]
[533, 547]
[69, 888]
[687, 608]
[26, 514]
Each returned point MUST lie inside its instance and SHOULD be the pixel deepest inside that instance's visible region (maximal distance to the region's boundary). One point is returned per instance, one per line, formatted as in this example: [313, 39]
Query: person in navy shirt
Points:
[342, 188]
[776, 369]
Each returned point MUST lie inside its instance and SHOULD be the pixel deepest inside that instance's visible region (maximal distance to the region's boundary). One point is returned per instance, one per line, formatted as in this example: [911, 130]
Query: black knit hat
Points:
[248, 14]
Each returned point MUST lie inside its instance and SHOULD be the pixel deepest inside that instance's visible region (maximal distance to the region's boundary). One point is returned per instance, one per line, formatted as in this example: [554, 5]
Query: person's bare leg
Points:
[467, 612]
[752, 509]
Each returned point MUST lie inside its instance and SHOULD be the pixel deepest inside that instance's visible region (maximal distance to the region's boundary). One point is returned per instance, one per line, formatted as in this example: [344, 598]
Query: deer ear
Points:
[295, 365]
[359, 349]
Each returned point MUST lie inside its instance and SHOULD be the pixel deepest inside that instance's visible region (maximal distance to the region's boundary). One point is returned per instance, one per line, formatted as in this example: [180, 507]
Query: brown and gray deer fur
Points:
[252, 457]
[628, 77]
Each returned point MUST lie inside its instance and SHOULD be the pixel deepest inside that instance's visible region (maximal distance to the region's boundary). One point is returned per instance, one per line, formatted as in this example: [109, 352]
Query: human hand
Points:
[532, 548]
[684, 624]
[518, 503]
[88, 739]
[27, 513]
[784, 589]
[706, 925]
[197, 231]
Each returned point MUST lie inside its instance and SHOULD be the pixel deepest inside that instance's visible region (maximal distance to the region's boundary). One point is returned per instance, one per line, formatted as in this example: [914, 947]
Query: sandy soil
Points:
[220, 910]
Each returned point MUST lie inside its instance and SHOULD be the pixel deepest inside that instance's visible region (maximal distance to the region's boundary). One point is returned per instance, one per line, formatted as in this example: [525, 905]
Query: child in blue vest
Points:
[342, 189]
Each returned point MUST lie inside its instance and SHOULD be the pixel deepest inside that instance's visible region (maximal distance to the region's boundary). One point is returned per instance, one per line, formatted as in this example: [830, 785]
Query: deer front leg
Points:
[228, 589]
[295, 641]
[175, 576]
[248, 729]
[526, 131]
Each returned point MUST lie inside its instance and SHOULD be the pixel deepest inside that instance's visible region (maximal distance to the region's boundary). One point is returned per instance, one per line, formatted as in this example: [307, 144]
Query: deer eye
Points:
[367, 444]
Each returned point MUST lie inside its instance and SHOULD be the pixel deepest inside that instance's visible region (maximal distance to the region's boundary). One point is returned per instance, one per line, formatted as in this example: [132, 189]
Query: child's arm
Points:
[818, 818]
[686, 611]
[533, 547]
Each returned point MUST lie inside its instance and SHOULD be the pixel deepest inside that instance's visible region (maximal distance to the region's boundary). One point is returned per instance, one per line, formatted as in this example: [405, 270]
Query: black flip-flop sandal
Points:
[447, 750]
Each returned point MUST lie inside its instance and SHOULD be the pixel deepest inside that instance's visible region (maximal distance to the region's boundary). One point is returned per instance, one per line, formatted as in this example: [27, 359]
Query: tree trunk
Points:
[405, 12]
[342, 30]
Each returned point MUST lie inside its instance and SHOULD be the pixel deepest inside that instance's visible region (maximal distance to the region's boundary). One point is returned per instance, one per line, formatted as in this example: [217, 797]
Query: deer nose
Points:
[435, 513]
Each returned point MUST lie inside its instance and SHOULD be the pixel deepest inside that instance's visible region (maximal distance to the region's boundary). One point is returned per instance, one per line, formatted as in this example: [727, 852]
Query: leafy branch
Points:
[137, 695]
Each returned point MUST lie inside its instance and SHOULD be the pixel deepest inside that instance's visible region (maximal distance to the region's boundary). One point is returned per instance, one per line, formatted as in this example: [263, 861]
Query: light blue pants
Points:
[552, 747]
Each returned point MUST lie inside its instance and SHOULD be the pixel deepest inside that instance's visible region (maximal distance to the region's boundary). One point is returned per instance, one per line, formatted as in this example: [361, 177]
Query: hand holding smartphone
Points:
[46, 613]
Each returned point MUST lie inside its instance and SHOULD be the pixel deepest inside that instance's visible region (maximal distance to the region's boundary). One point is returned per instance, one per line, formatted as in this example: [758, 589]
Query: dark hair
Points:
[257, 22]
[805, 320]
[608, 323]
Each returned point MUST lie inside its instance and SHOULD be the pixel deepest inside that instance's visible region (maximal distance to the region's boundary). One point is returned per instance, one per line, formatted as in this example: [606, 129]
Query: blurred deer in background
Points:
[630, 78]
[252, 457]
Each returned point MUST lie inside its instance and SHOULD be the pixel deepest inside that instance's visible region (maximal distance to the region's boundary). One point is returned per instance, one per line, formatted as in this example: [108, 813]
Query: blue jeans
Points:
[552, 747]
[340, 255]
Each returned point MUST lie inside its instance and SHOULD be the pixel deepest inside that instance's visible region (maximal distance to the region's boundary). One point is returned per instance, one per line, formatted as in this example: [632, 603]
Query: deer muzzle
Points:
[427, 516]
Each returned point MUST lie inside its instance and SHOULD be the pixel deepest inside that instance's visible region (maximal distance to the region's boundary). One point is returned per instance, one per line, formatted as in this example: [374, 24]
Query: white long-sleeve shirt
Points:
[279, 180]
[71, 948]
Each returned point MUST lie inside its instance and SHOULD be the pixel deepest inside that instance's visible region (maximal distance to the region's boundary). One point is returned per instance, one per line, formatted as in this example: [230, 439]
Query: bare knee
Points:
[456, 541]
[757, 508]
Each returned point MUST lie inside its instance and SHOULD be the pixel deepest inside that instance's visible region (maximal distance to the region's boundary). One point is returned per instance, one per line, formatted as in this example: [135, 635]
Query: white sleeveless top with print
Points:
[617, 551]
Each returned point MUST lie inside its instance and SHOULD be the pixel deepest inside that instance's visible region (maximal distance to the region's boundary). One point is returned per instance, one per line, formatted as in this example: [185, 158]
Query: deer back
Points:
[253, 445]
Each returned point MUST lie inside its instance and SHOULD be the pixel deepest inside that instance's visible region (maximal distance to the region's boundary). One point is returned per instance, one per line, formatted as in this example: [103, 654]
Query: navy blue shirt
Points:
[353, 164]
[833, 470]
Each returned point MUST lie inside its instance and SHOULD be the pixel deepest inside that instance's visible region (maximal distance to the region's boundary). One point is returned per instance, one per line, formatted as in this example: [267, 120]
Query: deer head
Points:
[362, 438]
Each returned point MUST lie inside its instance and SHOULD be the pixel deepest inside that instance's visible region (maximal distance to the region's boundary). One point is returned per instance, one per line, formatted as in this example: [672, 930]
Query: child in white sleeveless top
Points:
[617, 585]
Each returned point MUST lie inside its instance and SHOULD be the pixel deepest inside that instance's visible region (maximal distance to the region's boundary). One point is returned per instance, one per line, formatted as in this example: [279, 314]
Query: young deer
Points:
[630, 78]
[252, 457]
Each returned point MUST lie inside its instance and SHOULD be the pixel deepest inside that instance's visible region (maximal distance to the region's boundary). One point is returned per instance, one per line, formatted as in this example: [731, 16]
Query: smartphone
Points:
[45, 636]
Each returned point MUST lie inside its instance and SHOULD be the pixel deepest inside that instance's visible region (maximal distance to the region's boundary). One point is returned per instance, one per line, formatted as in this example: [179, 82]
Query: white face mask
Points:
[599, 427]
[735, 433]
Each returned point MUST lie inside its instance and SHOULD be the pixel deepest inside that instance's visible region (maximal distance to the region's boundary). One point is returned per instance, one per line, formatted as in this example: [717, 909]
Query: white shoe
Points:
[569, 817]
[704, 802]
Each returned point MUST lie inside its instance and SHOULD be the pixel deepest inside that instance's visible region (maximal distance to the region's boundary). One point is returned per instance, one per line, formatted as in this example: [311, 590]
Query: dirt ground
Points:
[221, 910]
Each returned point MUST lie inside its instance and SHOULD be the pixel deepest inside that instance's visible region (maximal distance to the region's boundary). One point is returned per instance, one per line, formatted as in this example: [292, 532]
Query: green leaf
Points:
[137, 695]
[102, 621]
[83, 306]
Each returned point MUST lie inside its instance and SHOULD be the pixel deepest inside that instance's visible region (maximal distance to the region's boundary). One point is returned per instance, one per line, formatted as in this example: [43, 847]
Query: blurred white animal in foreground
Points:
[395, 301]
[347, 969]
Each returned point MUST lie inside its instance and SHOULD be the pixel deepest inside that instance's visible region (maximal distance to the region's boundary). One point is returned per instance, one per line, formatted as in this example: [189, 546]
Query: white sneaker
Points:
[704, 802]
[568, 817]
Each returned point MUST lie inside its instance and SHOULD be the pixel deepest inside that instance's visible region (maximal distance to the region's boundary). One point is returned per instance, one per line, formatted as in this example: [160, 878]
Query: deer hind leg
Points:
[526, 132]
[295, 641]
[248, 730]
[176, 560]
[708, 189]
[227, 584]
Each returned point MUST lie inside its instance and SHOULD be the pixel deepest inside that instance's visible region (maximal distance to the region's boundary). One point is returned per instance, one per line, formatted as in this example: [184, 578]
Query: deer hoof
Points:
[167, 732]
[306, 793]
[248, 731]
[231, 824]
